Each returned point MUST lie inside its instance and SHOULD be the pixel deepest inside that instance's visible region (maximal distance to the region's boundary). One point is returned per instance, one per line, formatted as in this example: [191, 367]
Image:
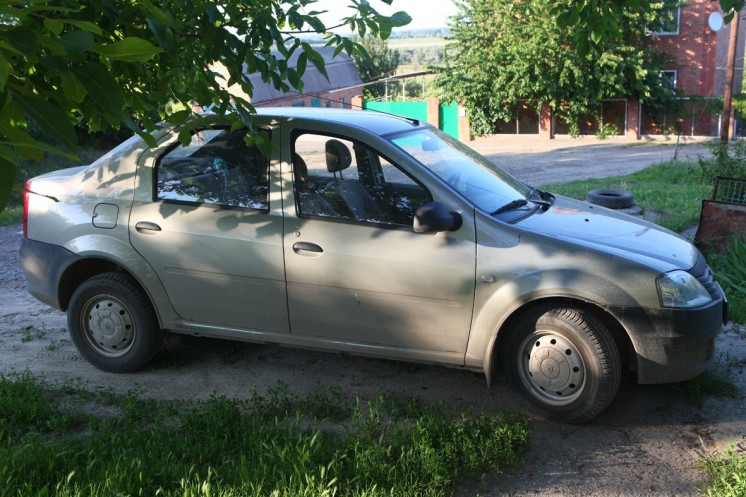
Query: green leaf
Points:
[163, 17]
[4, 71]
[131, 49]
[85, 26]
[598, 33]
[53, 121]
[316, 59]
[300, 66]
[7, 179]
[8, 153]
[54, 25]
[72, 88]
[77, 42]
[9, 48]
[53, 45]
[34, 149]
[316, 23]
[178, 117]
[23, 39]
[400, 18]
[102, 89]
[185, 136]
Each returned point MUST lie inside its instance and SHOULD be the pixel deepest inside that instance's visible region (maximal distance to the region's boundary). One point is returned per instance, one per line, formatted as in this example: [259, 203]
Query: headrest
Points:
[301, 169]
[338, 157]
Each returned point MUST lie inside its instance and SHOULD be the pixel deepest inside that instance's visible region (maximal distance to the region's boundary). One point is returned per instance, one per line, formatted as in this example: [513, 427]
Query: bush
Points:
[727, 160]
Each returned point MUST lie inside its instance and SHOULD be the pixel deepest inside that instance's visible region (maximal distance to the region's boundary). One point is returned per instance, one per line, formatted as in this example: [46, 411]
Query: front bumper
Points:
[672, 345]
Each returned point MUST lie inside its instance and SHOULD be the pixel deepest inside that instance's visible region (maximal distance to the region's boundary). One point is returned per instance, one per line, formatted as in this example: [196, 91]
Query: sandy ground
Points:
[646, 443]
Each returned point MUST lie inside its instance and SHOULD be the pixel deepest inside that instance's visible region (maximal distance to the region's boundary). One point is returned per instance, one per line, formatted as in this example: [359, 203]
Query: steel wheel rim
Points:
[108, 326]
[551, 368]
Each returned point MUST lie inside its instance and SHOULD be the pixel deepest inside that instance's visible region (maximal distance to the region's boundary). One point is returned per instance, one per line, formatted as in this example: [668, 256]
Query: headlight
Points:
[681, 289]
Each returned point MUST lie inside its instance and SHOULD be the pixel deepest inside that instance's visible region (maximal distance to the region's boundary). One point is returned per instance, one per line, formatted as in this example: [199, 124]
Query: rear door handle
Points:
[307, 249]
[147, 228]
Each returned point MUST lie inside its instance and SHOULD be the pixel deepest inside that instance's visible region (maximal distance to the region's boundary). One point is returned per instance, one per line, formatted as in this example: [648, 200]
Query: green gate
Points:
[448, 117]
[447, 113]
[415, 110]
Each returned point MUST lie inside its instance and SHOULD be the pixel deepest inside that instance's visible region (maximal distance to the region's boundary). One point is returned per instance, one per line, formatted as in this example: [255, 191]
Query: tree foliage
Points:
[380, 62]
[595, 23]
[65, 63]
[505, 52]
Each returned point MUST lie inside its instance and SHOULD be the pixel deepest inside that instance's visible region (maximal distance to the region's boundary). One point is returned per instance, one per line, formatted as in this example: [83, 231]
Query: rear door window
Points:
[215, 167]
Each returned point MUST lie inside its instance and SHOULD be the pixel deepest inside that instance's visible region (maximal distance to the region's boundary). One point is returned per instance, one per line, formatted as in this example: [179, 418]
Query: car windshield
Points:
[484, 184]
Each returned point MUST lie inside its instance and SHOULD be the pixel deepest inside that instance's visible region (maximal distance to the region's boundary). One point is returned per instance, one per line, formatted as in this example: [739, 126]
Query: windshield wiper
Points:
[540, 197]
[513, 204]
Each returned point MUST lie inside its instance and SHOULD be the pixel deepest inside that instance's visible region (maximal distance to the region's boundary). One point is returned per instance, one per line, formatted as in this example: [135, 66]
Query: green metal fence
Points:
[447, 113]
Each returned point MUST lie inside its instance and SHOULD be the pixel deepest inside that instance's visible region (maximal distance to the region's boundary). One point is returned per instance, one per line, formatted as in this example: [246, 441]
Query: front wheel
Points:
[112, 323]
[564, 361]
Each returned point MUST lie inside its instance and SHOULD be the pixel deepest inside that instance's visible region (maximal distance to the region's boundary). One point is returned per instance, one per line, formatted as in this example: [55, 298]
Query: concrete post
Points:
[357, 102]
[545, 122]
[433, 111]
[633, 120]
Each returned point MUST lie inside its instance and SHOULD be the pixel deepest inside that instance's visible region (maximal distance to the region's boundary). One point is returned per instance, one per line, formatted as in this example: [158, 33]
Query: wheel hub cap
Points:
[109, 327]
[552, 368]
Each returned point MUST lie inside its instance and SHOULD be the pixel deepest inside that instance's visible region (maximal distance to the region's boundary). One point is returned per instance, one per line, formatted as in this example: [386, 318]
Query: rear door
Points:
[208, 218]
[356, 271]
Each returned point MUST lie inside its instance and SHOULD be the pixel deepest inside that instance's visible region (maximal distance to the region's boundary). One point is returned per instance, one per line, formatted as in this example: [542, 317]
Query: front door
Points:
[356, 271]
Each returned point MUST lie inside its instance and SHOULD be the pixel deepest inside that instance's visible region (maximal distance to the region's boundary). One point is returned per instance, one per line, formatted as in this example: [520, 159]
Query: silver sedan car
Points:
[369, 234]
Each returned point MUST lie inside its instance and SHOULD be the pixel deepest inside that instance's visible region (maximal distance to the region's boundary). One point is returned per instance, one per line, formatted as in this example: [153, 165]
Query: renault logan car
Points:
[367, 234]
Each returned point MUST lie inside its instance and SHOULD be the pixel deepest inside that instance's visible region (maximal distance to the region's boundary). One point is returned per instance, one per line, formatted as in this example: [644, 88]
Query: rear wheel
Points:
[564, 361]
[112, 323]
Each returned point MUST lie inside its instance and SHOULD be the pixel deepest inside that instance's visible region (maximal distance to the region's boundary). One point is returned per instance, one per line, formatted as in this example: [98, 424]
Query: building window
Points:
[667, 23]
[668, 79]
[298, 104]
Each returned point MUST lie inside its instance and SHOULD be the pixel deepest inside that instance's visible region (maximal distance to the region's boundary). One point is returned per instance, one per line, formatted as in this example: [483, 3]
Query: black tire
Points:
[612, 199]
[564, 362]
[113, 324]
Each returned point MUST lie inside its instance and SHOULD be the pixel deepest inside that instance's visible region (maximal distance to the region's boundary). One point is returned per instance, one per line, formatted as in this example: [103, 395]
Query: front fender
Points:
[496, 304]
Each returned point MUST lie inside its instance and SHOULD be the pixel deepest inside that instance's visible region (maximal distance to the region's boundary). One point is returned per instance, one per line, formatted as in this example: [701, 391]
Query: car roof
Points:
[377, 122]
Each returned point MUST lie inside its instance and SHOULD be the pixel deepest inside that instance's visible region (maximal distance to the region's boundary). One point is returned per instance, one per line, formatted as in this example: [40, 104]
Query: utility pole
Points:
[730, 69]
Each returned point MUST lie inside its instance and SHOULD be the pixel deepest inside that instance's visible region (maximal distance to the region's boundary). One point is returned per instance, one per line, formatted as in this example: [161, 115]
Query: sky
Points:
[425, 13]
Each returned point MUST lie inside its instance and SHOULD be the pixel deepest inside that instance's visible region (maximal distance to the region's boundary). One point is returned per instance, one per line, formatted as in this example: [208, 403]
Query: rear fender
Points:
[122, 255]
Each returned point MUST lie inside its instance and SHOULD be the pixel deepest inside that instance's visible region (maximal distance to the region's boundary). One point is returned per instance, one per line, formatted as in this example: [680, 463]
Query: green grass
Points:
[673, 191]
[13, 214]
[730, 269]
[69, 442]
[714, 382]
[727, 474]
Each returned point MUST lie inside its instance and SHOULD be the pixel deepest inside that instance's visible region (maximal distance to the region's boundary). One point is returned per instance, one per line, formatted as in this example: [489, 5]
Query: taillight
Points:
[26, 189]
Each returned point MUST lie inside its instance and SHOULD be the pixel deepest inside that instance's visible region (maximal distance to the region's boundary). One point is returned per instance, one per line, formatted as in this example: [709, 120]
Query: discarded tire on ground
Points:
[612, 199]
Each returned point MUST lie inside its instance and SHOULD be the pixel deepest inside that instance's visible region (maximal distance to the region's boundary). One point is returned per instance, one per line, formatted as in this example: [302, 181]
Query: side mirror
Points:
[433, 217]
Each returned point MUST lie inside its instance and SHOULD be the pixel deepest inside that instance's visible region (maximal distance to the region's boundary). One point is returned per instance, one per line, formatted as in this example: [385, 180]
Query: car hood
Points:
[613, 232]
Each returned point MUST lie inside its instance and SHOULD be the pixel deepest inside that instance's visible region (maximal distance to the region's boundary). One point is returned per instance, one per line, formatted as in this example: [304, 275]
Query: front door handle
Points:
[147, 228]
[307, 249]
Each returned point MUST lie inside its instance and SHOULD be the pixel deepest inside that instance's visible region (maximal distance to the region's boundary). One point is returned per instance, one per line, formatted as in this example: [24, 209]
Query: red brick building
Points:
[697, 72]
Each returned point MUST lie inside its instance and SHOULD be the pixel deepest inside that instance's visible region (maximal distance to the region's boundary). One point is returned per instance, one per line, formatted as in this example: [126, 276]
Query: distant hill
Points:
[396, 34]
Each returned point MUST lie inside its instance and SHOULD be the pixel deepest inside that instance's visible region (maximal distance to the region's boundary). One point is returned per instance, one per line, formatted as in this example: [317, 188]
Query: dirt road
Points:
[646, 443]
[540, 161]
